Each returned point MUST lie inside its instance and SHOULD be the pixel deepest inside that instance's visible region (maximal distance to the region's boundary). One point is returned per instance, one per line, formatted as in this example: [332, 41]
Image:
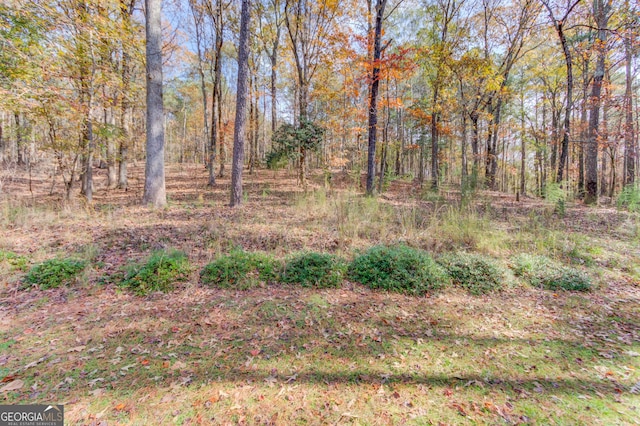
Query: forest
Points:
[321, 211]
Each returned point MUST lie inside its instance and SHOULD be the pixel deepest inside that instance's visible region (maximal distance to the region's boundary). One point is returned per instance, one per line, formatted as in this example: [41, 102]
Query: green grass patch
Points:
[398, 268]
[543, 272]
[158, 273]
[629, 198]
[54, 273]
[312, 269]
[240, 270]
[15, 261]
[475, 273]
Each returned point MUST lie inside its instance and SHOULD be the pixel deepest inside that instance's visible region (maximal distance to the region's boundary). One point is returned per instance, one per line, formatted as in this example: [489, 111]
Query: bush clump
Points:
[475, 273]
[398, 268]
[54, 273]
[312, 269]
[158, 273]
[240, 270]
[540, 271]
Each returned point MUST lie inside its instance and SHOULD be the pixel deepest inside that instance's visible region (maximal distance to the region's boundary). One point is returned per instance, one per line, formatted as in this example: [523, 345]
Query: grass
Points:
[347, 355]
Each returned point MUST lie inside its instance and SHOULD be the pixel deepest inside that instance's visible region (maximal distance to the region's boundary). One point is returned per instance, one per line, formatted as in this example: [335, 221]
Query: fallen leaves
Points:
[12, 386]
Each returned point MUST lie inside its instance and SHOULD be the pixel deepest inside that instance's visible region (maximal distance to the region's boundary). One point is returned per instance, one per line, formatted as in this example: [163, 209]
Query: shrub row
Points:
[393, 268]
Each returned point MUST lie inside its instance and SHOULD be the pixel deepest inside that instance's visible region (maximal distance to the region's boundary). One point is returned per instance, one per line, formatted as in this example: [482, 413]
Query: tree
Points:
[239, 133]
[309, 26]
[601, 14]
[289, 141]
[630, 152]
[559, 25]
[154, 182]
[374, 83]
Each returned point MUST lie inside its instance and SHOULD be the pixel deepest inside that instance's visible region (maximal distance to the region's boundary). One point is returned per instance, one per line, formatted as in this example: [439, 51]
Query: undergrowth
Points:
[475, 273]
[240, 270]
[398, 268]
[54, 273]
[311, 269]
[543, 272]
[158, 273]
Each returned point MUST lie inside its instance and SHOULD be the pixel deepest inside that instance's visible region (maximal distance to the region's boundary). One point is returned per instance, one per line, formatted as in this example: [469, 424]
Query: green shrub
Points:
[158, 273]
[54, 273]
[398, 268]
[476, 273]
[540, 271]
[311, 269]
[240, 270]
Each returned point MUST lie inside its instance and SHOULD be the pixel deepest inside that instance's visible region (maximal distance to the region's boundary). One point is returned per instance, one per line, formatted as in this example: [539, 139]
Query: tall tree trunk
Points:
[435, 117]
[523, 149]
[126, 9]
[601, 15]
[373, 96]
[385, 142]
[566, 131]
[491, 166]
[198, 21]
[19, 139]
[154, 182]
[583, 127]
[630, 152]
[558, 24]
[475, 145]
[216, 99]
[112, 175]
[240, 133]
[2, 142]
[89, 142]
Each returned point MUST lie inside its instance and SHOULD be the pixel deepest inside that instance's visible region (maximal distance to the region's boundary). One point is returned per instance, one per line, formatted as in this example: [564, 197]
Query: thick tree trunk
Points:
[240, 134]
[566, 131]
[601, 15]
[373, 96]
[154, 185]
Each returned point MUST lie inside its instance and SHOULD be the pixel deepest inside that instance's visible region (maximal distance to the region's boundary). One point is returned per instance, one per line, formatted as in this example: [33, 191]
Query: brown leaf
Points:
[12, 386]
[9, 378]
[76, 349]
[120, 406]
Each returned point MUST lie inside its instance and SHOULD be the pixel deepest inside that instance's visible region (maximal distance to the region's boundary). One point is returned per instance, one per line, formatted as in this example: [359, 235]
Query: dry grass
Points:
[286, 355]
